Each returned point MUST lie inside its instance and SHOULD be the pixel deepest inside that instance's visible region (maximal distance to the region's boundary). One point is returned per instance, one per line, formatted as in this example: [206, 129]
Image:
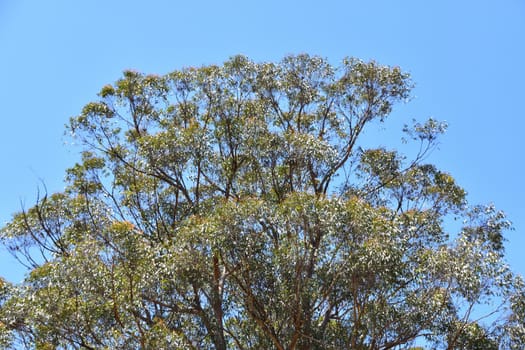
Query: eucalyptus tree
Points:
[236, 207]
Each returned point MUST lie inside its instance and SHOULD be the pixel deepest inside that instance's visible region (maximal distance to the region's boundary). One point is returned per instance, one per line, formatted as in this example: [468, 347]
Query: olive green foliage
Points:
[235, 207]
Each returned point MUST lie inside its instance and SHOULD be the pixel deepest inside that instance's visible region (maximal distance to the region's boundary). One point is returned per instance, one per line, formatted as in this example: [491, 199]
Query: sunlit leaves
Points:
[429, 130]
[234, 206]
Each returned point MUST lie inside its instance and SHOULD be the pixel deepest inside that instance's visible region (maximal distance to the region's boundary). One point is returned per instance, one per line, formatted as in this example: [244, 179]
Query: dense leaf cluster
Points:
[233, 207]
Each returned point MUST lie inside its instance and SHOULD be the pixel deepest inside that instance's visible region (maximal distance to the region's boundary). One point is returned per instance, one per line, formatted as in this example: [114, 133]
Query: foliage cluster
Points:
[233, 207]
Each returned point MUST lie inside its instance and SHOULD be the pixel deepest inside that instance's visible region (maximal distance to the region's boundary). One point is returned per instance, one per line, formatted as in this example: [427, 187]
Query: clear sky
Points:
[467, 59]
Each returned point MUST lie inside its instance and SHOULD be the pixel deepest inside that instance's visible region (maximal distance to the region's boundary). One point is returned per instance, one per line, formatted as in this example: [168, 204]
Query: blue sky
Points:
[467, 59]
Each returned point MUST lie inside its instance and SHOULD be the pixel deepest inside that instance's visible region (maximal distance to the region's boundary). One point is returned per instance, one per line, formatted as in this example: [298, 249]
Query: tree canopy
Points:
[235, 207]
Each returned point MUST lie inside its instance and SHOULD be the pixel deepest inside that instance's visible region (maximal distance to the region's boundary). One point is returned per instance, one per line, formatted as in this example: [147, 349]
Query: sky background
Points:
[467, 59]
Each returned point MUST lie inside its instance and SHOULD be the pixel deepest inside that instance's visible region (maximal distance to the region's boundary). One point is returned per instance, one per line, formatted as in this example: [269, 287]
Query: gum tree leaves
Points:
[233, 207]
